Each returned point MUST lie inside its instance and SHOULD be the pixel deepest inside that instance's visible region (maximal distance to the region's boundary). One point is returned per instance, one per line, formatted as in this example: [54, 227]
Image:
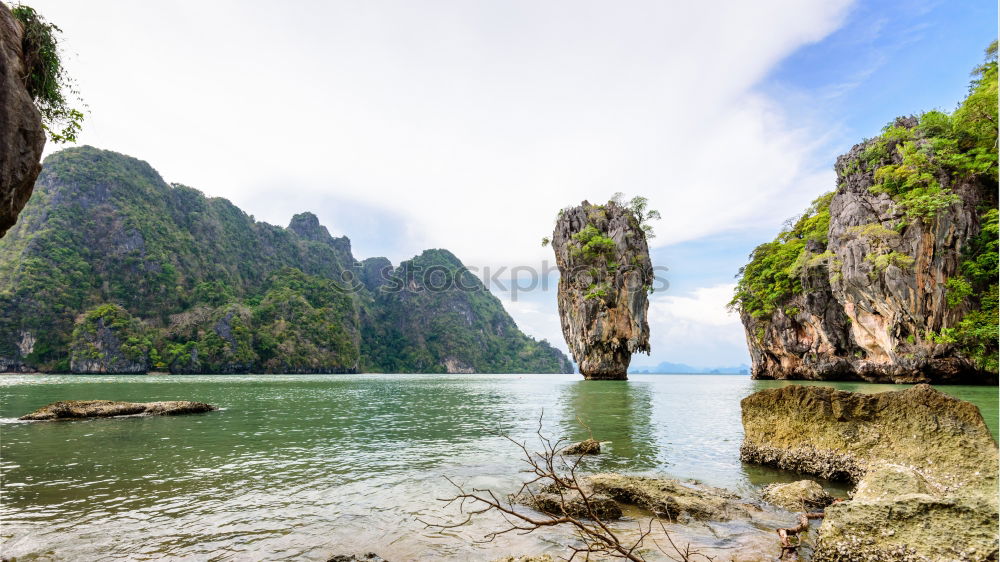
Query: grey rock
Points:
[925, 465]
[77, 409]
[603, 330]
[803, 495]
[855, 321]
[21, 135]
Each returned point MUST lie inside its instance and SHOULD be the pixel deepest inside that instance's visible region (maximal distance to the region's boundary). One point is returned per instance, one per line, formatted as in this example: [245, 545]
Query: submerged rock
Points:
[605, 276]
[925, 465]
[75, 409]
[368, 557]
[804, 495]
[548, 500]
[585, 447]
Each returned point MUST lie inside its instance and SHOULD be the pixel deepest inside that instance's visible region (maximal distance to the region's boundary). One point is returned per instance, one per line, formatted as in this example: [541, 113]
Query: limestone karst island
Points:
[271, 285]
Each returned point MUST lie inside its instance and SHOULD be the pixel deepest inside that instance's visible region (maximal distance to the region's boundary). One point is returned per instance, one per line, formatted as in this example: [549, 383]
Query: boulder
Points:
[842, 435]
[672, 499]
[76, 409]
[804, 495]
[585, 447]
[548, 500]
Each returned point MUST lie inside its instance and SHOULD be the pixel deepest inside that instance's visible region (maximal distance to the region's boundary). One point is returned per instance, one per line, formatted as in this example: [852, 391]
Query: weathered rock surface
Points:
[21, 135]
[857, 320]
[804, 495]
[585, 447]
[548, 500]
[925, 465]
[605, 276]
[75, 409]
[842, 435]
[672, 499]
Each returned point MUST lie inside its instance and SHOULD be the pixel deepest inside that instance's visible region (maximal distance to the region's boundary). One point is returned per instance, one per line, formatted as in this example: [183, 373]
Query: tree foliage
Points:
[50, 86]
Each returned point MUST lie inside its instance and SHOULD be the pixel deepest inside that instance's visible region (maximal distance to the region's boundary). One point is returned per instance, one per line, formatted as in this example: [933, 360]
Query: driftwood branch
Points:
[787, 546]
[558, 473]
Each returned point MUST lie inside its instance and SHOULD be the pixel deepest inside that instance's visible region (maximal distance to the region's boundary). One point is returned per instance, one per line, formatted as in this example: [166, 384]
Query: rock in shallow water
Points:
[76, 409]
[804, 495]
[925, 464]
[585, 447]
[671, 498]
[368, 557]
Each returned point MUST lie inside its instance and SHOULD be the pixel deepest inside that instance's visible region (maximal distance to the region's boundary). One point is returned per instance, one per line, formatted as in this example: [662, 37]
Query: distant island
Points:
[109, 269]
[668, 368]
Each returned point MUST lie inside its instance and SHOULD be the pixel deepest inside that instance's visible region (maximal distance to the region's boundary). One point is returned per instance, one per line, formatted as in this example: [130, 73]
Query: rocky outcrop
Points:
[77, 409]
[925, 465]
[22, 137]
[873, 299]
[605, 277]
[672, 499]
[108, 340]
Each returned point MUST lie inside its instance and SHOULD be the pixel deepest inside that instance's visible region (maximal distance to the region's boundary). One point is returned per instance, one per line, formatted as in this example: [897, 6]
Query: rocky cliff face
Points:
[108, 340]
[199, 286]
[891, 277]
[875, 293]
[605, 276]
[21, 135]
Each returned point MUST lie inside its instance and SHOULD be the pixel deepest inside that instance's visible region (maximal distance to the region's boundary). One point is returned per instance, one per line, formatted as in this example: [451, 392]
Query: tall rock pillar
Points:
[605, 277]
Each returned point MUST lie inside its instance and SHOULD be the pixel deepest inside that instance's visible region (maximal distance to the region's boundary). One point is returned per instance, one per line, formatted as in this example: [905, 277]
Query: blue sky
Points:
[467, 124]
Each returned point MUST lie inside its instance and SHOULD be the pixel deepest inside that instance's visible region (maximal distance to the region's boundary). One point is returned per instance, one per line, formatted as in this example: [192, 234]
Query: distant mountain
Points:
[679, 368]
[110, 269]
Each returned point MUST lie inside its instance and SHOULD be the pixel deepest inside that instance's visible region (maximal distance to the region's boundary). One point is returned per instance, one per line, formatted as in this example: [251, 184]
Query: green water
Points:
[302, 467]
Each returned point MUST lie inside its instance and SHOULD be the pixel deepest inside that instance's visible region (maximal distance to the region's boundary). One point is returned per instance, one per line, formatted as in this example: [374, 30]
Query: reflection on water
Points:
[302, 467]
[617, 413]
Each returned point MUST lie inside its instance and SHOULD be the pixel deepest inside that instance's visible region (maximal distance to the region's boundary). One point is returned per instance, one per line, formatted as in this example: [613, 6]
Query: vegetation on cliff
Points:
[929, 188]
[51, 87]
[209, 289]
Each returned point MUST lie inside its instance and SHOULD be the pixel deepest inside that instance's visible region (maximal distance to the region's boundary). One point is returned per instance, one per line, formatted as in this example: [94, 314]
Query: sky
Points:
[467, 124]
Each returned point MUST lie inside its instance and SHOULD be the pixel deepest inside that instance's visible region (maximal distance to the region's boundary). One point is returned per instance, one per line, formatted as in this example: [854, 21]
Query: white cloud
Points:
[474, 121]
[696, 329]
